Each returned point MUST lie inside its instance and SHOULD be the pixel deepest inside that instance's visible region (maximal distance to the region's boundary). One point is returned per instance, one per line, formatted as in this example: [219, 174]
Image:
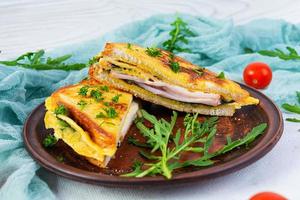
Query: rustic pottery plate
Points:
[62, 160]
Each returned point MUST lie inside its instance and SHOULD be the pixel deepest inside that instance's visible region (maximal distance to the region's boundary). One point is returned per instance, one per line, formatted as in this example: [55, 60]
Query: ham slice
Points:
[172, 91]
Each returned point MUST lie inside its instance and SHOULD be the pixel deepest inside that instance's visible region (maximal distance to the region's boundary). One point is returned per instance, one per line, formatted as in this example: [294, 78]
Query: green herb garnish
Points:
[83, 90]
[195, 132]
[221, 75]
[293, 108]
[93, 60]
[97, 95]
[36, 60]
[106, 103]
[109, 113]
[128, 46]
[60, 158]
[104, 88]
[291, 55]
[49, 141]
[292, 119]
[175, 66]
[153, 52]
[132, 140]
[115, 99]
[60, 110]
[280, 54]
[82, 104]
[178, 35]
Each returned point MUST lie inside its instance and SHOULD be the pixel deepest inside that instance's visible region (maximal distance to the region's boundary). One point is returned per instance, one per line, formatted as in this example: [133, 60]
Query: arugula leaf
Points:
[137, 165]
[292, 119]
[178, 36]
[291, 108]
[291, 55]
[161, 133]
[36, 60]
[134, 141]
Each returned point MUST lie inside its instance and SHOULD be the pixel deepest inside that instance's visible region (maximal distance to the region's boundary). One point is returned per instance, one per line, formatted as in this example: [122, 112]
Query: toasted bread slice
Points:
[218, 96]
[97, 118]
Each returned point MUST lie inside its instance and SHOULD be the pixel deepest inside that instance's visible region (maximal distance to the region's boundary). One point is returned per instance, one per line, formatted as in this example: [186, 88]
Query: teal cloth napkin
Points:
[218, 44]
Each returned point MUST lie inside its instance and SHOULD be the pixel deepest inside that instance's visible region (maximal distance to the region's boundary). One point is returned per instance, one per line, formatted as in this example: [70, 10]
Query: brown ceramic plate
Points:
[77, 168]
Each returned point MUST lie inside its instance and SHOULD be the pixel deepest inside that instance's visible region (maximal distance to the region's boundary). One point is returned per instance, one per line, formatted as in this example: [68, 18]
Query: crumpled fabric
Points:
[217, 44]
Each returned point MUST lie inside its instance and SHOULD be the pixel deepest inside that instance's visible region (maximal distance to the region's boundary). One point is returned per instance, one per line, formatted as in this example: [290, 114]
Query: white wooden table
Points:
[31, 24]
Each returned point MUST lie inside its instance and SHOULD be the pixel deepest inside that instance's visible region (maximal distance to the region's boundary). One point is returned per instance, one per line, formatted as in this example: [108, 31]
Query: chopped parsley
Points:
[49, 141]
[115, 99]
[221, 75]
[82, 104]
[104, 88]
[60, 110]
[97, 95]
[83, 90]
[175, 66]
[153, 52]
[106, 103]
[109, 113]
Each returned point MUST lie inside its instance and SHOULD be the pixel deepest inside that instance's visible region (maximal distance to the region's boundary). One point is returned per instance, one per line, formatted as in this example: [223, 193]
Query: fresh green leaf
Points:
[160, 134]
[111, 112]
[115, 99]
[83, 90]
[97, 95]
[134, 141]
[178, 36]
[153, 52]
[49, 141]
[291, 108]
[36, 60]
[60, 110]
[136, 167]
[292, 119]
[128, 46]
[175, 66]
[291, 55]
[221, 75]
[104, 88]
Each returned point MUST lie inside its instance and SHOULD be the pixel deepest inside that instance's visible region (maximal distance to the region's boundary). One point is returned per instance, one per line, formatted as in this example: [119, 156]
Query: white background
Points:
[30, 25]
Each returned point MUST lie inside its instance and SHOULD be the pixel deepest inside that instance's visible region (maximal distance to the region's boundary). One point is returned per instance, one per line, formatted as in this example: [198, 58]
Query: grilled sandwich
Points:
[162, 78]
[92, 118]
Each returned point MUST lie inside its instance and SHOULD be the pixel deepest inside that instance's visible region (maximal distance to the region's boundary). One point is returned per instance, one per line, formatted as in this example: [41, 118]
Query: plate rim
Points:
[249, 157]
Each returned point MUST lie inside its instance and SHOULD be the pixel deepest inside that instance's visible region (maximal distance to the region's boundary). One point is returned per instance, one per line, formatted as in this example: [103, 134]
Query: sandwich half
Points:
[162, 78]
[90, 117]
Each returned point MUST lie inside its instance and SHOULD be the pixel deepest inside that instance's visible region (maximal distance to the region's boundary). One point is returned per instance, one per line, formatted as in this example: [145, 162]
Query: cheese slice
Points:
[93, 137]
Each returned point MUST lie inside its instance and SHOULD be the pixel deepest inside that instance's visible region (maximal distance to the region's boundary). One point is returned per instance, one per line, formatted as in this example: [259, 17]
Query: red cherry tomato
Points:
[257, 75]
[267, 196]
